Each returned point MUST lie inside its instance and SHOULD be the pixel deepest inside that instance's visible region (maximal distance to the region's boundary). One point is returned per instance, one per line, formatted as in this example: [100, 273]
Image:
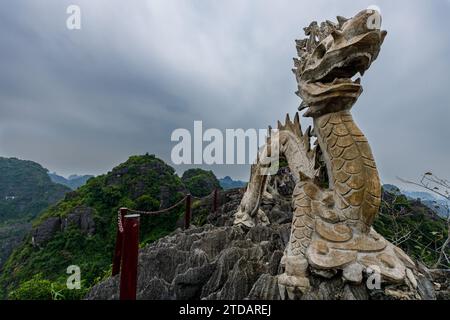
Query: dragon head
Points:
[331, 56]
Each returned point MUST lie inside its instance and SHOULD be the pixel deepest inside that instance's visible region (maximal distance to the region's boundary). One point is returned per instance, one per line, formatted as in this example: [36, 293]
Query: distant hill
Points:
[73, 182]
[411, 224]
[228, 183]
[81, 229]
[418, 195]
[200, 182]
[25, 190]
[391, 188]
[439, 205]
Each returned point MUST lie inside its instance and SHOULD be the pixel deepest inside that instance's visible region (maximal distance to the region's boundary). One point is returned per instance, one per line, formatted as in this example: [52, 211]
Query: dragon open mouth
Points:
[330, 59]
[347, 69]
[335, 87]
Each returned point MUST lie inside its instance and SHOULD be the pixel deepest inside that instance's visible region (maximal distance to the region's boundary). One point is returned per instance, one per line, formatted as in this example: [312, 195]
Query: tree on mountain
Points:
[441, 188]
[200, 183]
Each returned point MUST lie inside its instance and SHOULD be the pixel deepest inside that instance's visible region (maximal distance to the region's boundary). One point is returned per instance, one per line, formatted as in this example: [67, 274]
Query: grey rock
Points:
[11, 236]
[224, 265]
[351, 292]
[239, 282]
[81, 217]
[156, 289]
[45, 231]
[274, 263]
[425, 288]
[265, 288]
[188, 286]
[108, 290]
[442, 286]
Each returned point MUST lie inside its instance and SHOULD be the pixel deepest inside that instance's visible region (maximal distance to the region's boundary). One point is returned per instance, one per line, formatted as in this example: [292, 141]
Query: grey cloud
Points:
[83, 101]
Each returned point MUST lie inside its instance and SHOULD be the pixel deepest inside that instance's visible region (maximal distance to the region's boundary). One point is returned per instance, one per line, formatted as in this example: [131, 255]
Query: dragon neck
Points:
[352, 171]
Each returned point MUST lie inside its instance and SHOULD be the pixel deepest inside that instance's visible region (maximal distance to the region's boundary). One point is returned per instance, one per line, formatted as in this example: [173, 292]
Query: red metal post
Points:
[119, 243]
[215, 200]
[187, 213]
[130, 251]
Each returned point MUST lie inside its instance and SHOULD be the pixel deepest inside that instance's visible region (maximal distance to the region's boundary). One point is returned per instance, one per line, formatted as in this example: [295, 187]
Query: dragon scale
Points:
[352, 173]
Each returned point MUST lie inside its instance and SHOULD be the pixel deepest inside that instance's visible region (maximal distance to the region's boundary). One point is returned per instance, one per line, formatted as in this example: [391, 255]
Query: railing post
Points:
[130, 251]
[215, 201]
[187, 213]
[119, 243]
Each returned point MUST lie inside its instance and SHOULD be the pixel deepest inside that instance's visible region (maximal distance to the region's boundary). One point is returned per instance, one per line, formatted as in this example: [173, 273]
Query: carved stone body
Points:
[331, 229]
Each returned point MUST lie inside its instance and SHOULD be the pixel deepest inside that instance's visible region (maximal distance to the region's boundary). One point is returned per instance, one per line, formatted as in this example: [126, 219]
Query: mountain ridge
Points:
[228, 183]
[73, 181]
[25, 191]
[434, 202]
[81, 229]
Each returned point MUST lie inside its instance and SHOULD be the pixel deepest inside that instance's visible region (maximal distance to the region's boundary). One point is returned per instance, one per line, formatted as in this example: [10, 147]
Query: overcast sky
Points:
[82, 101]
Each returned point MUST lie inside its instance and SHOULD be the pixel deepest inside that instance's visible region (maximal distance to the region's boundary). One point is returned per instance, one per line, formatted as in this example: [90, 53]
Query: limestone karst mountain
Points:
[228, 183]
[25, 190]
[73, 181]
[200, 182]
[438, 204]
[81, 228]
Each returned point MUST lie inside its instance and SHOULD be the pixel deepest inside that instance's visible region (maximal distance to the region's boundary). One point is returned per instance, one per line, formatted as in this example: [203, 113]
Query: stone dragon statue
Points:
[338, 191]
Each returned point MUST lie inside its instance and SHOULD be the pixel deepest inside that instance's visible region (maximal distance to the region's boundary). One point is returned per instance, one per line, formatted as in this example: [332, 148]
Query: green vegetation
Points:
[38, 288]
[142, 182]
[25, 190]
[228, 183]
[200, 183]
[411, 225]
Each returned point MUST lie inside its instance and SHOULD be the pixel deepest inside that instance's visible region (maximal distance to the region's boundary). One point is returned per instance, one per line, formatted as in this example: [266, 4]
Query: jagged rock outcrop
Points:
[204, 263]
[11, 235]
[80, 217]
[222, 261]
[45, 231]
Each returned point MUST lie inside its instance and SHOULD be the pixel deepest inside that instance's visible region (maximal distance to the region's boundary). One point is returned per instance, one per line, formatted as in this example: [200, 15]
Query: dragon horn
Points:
[280, 125]
[341, 20]
[288, 118]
